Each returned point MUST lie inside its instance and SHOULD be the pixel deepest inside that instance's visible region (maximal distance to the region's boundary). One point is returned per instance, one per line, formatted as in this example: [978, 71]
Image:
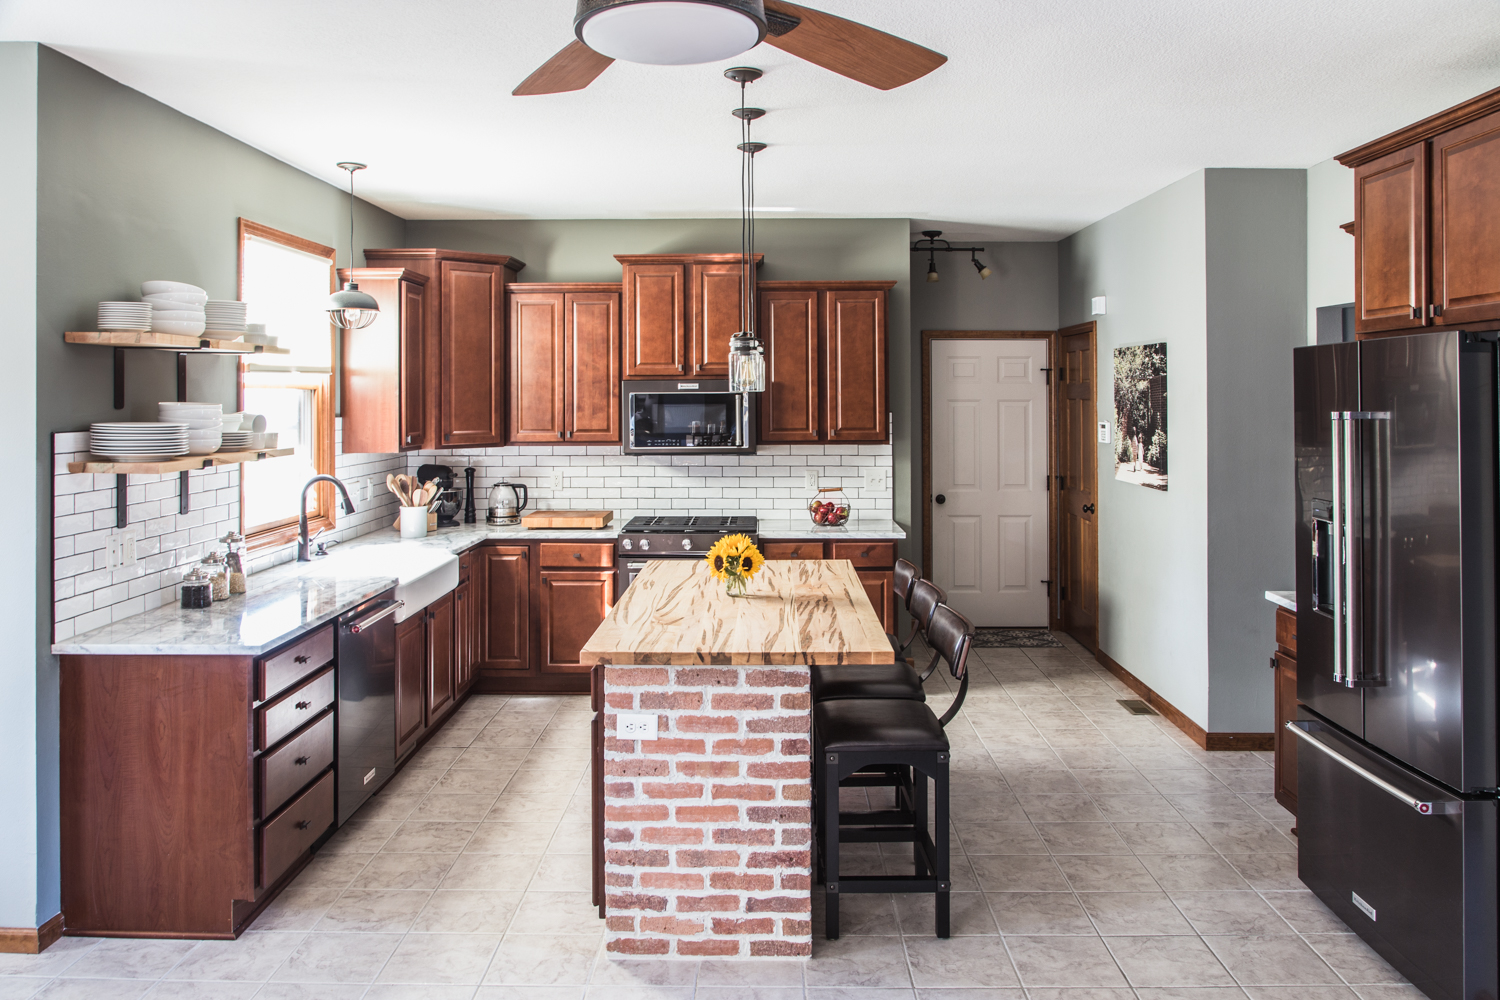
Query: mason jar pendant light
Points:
[747, 358]
[350, 308]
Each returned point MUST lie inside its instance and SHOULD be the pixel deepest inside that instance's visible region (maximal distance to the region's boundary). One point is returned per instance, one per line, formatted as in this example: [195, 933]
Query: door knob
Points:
[1088, 508]
[940, 498]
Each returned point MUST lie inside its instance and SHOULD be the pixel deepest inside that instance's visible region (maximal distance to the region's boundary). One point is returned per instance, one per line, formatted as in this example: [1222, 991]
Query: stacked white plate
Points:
[176, 307]
[238, 440]
[124, 315]
[138, 441]
[204, 422]
[225, 317]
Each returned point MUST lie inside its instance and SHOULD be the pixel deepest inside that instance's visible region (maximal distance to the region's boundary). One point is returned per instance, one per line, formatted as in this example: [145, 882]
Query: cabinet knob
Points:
[578, 556]
[300, 761]
[303, 706]
[301, 659]
[865, 554]
[303, 824]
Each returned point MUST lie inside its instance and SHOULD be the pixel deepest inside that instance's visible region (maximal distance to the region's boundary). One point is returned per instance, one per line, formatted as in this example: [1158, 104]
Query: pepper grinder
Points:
[469, 514]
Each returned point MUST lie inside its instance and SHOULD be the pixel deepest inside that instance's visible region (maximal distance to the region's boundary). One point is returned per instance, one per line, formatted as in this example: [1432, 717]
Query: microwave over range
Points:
[677, 417]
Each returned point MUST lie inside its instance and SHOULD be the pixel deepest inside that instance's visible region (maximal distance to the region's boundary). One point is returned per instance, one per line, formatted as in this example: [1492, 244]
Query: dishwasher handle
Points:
[1424, 808]
[359, 626]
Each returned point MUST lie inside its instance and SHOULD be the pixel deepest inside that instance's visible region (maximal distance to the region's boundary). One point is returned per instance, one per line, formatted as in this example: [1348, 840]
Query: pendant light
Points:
[350, 308]
[747, 358]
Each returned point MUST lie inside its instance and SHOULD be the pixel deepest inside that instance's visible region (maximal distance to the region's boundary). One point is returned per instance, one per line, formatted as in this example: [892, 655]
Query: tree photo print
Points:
[1141, 415]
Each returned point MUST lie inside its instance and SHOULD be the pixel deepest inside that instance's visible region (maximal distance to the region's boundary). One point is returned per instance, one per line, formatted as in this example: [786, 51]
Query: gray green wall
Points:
[129, 190]
[1330, 250]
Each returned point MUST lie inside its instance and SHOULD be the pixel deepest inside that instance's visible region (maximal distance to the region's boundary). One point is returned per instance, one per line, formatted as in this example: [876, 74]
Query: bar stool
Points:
[835, 681]
[897, 736]
[906, 576]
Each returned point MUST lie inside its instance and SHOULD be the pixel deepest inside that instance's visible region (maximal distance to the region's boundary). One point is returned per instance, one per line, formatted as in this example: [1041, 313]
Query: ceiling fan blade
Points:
[851, 49]
[574, 68]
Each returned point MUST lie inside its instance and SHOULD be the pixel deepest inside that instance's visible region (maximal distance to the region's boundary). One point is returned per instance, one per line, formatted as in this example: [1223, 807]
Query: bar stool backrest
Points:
[950, 635]
[924, 600]
[906, 575]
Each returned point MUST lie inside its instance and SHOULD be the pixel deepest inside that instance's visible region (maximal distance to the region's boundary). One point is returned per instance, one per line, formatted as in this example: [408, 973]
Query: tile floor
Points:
[1100, 856]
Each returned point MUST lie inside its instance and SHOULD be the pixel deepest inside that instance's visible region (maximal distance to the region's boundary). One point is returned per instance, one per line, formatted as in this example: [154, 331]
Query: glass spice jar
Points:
[234, 561]
[213, 568]
[197, 589]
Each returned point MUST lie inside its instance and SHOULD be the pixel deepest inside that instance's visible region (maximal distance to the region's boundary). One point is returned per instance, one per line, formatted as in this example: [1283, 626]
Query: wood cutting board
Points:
[567, 518]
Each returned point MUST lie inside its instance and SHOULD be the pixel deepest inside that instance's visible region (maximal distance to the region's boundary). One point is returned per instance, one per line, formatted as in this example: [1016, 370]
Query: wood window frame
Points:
[322, 517]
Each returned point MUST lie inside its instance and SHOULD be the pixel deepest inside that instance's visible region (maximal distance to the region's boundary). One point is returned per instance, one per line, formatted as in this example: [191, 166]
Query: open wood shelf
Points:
[187, 463]
[169, 342]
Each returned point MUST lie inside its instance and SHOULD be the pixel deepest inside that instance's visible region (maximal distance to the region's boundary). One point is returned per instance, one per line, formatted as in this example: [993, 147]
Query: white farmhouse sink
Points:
[423, 573]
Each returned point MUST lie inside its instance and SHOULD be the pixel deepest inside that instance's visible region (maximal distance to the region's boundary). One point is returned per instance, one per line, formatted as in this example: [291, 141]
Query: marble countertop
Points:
[288, 600]
[1284, 598]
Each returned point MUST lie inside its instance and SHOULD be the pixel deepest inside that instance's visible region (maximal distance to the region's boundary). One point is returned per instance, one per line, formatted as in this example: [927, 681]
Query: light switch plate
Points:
[810, 480]
[636, 727]
[1105, 432]
[875, 479]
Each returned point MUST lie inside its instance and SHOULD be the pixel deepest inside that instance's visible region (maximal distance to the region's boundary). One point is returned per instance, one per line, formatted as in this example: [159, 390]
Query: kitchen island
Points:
[703, 836]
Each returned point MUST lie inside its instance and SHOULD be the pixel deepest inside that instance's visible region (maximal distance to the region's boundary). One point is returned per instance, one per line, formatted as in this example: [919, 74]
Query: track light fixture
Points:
[931, 245]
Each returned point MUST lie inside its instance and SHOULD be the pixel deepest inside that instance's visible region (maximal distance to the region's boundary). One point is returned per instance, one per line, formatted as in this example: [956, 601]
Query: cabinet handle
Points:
[303, 824]
[1416, 313]
[301, 659]
[410, 438]
[1273, 663]
[303, 706]
[301, 760]
[1435, 310]
[559, 435]
[578, 555]
[865, 554]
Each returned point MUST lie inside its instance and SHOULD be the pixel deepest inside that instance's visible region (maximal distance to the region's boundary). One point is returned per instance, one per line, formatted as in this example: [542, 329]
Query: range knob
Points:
[645, 544]
[687, 543]
[626, 544]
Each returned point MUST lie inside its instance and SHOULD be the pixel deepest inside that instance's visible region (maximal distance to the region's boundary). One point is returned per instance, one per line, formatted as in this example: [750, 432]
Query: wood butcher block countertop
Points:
[797, 611]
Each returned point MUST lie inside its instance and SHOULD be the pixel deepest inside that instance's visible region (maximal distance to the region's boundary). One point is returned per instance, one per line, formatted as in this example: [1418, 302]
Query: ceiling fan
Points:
[681, 32]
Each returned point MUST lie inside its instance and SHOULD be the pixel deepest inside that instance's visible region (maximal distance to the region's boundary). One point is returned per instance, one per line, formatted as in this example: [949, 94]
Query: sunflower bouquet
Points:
[735, 559]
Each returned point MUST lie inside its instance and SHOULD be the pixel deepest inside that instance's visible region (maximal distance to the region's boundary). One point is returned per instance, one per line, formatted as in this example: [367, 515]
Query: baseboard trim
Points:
[1195, 732]
[30, 940]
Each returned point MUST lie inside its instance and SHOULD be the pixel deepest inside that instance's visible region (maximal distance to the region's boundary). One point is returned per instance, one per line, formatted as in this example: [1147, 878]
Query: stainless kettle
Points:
[507, 500]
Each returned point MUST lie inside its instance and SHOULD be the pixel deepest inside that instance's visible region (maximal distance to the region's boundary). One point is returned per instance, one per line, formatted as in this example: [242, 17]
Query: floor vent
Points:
[1137, 707]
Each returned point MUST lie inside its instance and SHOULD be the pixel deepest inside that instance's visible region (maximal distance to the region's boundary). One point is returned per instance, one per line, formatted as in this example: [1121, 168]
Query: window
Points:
[285, 282]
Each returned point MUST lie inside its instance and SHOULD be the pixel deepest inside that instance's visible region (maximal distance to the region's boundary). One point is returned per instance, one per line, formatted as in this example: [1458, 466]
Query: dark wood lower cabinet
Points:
[874, 561]
[596, 782]
[464, 623]
[1285, 665]
[442, 688]
[880, 587]
[572, 606]
[505, 631]
[411, 666]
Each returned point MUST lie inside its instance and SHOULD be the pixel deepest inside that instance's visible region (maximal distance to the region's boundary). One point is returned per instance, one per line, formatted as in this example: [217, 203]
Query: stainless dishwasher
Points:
[366, 721]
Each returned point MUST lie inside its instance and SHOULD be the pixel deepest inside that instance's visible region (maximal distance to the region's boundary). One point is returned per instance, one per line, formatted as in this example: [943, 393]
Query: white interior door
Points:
[989, 479]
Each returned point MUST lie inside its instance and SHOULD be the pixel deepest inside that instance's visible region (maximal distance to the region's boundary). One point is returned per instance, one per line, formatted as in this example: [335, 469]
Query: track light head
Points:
[984, 272]
[932, 272]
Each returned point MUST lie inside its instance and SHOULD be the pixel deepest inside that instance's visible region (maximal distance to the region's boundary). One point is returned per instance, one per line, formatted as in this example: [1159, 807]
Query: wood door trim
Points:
[1174, 715]
[1055, 461]
[1450, 118]
[928, 336]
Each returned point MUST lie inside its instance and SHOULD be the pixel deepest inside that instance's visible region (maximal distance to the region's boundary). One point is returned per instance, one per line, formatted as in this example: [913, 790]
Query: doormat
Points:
[1015, 638]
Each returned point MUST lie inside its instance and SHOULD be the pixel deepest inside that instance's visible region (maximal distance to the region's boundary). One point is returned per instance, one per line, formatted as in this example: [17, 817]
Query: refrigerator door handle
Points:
[1340, 554]
[1424, 808]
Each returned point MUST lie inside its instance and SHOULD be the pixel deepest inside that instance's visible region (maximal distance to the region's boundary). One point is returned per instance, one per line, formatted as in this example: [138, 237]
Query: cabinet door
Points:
[572, 606]
[441, 661]
[463, 635]
[413, 429]
[880, 587]
[655, 333]
[854, 366]
[506, 572]
[411, 667]
[473, 361]
[789, 333]
[592, 396]
[1466, 222]
[716, 314]
[1286, 743]
[538, 367]
[1390, 232]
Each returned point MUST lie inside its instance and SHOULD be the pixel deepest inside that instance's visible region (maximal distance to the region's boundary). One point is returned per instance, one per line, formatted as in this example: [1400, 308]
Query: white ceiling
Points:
[1049, 115]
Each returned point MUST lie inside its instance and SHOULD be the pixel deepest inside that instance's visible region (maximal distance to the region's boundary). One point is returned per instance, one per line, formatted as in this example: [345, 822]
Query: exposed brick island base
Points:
[706, 832]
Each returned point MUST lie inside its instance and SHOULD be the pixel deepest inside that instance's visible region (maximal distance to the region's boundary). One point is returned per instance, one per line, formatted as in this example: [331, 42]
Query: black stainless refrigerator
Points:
[1396, 672]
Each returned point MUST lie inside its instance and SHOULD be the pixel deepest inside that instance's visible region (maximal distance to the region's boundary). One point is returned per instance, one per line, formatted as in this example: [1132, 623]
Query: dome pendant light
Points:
[747, 358]
[670, 32]
[350, 308]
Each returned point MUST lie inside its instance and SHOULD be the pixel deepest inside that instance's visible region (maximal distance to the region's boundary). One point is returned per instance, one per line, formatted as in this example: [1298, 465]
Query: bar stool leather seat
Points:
[872, 725]
[837, 681]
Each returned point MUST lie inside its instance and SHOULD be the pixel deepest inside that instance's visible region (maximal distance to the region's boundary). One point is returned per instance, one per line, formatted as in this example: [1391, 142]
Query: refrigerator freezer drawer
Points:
[1409, 866]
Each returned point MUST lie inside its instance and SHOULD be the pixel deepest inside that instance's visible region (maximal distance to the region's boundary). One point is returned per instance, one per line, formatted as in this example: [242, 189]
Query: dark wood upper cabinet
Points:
[1390, 260]
[384, 373]
[716, 296]
[789, 323]
[591, 402]
[655, 335]
[463, 341]
[537, 367]
[411, 666]
[506, 608]
[854, 365]
[1466, 222]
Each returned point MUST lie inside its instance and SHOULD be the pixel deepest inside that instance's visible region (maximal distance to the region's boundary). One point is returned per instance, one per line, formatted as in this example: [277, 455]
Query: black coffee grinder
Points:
[448, 501]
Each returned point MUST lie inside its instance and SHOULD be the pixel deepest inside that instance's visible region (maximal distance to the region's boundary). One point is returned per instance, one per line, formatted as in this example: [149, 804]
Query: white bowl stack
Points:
[176, 307]
[204, 422]
[124, 316]
[126, 441]
[225, 317]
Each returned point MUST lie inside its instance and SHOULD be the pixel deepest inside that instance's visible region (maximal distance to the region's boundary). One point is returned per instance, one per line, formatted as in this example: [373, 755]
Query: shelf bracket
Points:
[183, 503]
[120, 379]
[121, 518]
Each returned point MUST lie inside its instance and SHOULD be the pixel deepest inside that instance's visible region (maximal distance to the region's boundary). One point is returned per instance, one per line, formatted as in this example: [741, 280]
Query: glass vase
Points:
[735, 584]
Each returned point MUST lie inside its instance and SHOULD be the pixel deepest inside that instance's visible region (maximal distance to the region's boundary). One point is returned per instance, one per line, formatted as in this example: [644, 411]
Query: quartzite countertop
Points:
[795, 612]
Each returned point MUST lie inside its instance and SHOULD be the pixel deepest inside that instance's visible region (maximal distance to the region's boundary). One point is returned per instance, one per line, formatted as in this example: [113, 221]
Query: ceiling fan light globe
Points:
[670, 32]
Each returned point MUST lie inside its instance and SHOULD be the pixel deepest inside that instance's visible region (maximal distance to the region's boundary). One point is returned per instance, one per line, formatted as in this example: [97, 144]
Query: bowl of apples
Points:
[829, 508]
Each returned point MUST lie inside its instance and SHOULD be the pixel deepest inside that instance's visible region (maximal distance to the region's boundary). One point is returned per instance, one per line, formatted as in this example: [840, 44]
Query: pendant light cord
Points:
[351, 222]
[747, 223]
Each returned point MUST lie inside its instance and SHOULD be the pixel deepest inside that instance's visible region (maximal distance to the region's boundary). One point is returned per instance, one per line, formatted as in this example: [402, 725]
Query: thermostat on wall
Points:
[1098, 305]
[1104, 432]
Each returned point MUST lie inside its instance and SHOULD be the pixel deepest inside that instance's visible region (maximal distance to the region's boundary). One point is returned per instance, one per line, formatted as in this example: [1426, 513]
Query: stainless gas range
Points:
[678, 537]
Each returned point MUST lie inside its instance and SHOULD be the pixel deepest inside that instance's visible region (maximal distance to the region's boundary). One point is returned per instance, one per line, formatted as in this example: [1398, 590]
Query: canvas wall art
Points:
[1141, 415]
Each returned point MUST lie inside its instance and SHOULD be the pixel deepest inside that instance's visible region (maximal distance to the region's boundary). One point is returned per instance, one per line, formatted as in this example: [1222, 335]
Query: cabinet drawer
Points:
[1286, 630]
[465, 563]
[293, 764]
[293, 663]
[292, 710]
[868, 555]
[565, 555]
[792, 550]
[284, 839]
